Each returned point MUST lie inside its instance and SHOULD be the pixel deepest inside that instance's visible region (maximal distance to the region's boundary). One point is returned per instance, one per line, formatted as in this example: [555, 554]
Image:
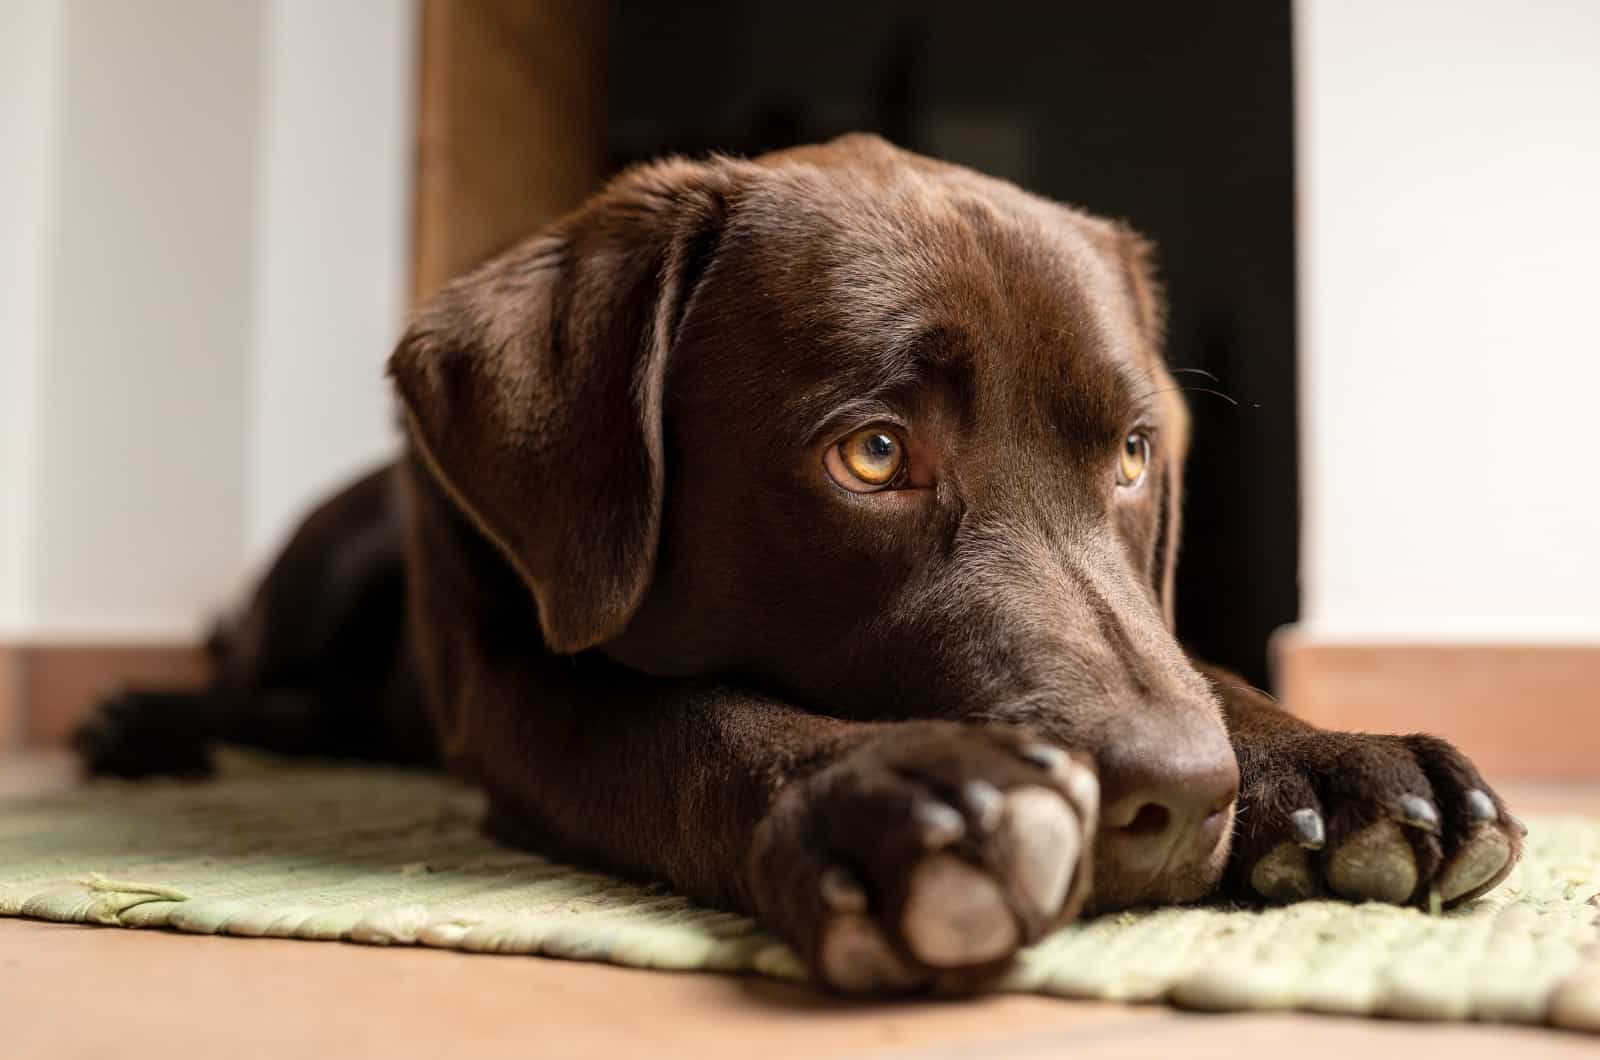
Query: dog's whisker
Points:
[1251, 688]
[1208, 390]
[1190, 390]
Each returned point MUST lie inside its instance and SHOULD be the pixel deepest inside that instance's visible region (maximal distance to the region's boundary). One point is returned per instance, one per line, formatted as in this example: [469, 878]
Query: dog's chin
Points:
[1195, 878]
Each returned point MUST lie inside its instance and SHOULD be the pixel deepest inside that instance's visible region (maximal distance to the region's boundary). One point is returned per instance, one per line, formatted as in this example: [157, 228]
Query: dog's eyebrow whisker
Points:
[1250, 688]
[1195, 371]
[1208, 390]
[1192, 390]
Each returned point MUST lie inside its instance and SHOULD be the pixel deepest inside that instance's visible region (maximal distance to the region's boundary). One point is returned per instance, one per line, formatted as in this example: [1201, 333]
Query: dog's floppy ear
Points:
[533, 388]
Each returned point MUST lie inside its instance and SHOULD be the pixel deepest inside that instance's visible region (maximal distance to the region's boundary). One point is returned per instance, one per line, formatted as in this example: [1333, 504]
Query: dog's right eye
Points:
[869, 460]
[1135, 458]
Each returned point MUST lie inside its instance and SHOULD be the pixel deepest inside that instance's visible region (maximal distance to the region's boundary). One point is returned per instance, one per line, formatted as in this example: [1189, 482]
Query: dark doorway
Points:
[1175, 117]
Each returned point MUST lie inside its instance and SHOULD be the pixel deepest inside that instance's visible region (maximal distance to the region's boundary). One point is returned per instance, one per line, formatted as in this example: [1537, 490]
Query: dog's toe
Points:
[1375, 863]
[956, 914]
[1486, 852]
[1043, 840]
[1285, 874]
[854, 956]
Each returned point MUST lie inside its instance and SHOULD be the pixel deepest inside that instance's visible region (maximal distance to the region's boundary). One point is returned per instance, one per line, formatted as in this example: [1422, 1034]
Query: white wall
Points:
[202, 273]
[30, 35]
[137, 499]
[1449, 169]
[332, 251]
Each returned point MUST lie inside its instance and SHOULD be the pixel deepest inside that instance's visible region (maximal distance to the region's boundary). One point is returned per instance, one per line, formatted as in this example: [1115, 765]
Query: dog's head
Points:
[871, 431]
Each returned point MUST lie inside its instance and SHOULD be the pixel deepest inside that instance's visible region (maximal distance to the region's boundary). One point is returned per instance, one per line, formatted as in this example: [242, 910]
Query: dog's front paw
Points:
[1397, 819]
[926, 856]
[140, 734]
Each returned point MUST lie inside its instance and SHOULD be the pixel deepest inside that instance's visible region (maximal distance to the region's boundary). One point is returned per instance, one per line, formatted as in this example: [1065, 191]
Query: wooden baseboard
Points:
[45, 688]
[10, 697]
[1520, 710]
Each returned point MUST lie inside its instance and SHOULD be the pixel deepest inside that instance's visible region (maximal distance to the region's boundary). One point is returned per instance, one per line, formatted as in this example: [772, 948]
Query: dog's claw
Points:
[1307, 828]
[1516, 822]
[1084, 787]
[1080, 782]
[1052, 760]
[1479, 805]
[940, 825]
[985, 802]
[1419, 813]
[841, 892]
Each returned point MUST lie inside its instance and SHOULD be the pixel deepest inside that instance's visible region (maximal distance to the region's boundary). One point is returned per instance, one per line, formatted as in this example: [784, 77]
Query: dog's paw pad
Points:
[955, 914]
[1044, 840]
[1374, 863]
[854, 956]
[1480, 859]
[1285, 874]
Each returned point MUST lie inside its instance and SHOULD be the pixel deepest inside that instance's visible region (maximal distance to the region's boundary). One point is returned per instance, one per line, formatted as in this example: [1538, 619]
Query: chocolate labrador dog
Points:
[801, 531]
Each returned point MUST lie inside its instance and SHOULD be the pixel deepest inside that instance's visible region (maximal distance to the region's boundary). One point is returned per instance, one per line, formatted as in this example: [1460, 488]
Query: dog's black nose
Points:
[1167, 791]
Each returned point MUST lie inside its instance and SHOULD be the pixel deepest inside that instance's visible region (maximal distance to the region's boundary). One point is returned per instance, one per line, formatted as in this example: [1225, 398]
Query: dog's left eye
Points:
[1135, 458]
[869, 460]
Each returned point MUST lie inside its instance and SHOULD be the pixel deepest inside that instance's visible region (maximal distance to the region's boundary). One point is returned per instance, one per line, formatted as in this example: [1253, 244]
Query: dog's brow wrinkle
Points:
[852, 413]
[895, 373]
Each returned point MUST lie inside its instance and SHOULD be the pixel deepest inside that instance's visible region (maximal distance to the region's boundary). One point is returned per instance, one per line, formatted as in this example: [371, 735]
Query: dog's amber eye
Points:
[866, 461]
[1135, 458]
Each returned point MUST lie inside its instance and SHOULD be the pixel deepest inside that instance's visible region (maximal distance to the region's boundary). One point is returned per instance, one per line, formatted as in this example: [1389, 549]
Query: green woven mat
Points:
[384, 856]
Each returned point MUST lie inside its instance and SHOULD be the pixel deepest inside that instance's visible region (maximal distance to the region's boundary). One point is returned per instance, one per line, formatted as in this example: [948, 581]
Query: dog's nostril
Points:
[1150, 820]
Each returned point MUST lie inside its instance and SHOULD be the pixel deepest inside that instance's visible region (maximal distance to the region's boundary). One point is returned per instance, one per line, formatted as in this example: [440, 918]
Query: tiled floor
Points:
[69, 991]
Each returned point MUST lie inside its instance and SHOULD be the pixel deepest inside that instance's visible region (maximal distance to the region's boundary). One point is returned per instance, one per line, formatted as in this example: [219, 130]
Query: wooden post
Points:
[509, 125]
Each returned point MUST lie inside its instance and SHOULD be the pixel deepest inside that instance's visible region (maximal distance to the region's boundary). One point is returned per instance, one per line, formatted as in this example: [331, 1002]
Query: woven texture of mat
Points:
[389, 857]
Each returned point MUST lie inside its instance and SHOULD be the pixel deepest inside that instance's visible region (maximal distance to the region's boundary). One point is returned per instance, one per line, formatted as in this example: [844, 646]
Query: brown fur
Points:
[639, 612]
